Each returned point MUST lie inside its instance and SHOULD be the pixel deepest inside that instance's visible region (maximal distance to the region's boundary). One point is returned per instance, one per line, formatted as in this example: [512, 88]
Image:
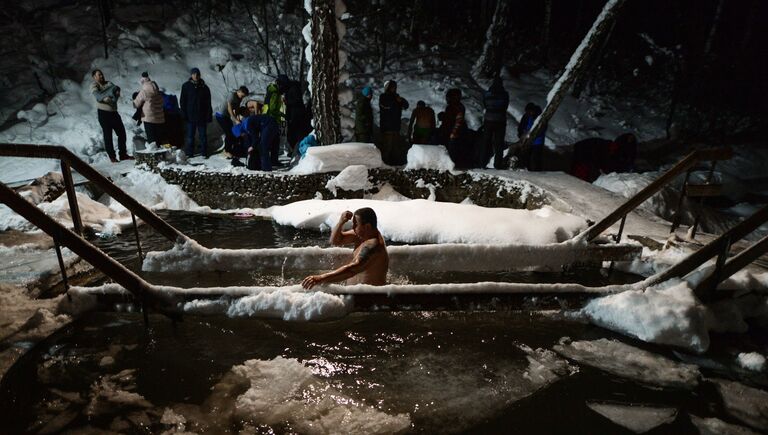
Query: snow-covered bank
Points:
[423, 221]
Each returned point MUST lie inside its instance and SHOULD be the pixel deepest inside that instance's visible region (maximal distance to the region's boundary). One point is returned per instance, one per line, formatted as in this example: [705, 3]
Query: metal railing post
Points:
[138, 241]
[69, 186]
[62, 267]
[695, 225]
[676, 217]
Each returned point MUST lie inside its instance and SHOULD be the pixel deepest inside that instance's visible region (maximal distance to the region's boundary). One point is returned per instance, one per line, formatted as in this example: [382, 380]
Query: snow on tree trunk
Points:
[489, 62]
[575, 66]
[324, 72]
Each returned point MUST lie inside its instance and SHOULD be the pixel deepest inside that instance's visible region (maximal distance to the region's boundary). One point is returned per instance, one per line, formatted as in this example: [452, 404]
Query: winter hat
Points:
[194, 70]
[388, 84]
[367, 91]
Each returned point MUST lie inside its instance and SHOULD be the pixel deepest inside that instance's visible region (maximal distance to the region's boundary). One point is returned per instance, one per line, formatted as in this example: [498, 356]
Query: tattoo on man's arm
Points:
[366, 252]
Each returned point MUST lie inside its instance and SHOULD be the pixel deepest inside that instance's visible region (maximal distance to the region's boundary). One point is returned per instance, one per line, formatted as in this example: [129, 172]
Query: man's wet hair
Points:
[366, 215]
[243, 89]
[421, 104]
[93, 73]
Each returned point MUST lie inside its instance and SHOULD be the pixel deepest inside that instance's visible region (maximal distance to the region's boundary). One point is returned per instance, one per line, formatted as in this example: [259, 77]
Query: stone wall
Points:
[227, 190]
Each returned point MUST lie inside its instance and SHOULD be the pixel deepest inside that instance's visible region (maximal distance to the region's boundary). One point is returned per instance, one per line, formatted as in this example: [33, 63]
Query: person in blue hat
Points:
[260, 132]
[364, 116]
[196, 110]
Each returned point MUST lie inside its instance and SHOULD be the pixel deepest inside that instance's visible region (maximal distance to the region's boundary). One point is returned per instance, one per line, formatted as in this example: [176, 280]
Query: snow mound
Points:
[423, 221]
[752, 361]
[284, 390]
[670, 316]
[334, 158]
[429, 157]
[354, 177]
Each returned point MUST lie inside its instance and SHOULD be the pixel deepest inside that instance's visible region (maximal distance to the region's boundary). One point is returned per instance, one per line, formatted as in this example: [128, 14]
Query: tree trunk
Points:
[575, 66]
[325, 72]
[545, 30]
[713, 29]
[489, 62]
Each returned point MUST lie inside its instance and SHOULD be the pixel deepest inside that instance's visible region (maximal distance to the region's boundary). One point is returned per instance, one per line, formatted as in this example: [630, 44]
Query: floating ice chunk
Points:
[746, 404]
[630, 362]
[638, 419]
[752, 361]
[286, 391]
[715, 426]
[670, 316]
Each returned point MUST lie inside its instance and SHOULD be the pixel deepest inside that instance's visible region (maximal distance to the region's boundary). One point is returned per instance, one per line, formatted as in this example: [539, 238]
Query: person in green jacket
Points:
[273, 102]
[364, 116]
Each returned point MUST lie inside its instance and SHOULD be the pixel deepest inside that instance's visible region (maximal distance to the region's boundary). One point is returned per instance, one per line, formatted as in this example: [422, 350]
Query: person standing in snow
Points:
[534, 153]
[227, 116]
[364, 116]
[261, 132]
[391, 106]
[294, 111]
[196, 111]
[106, 95]
[370, 261]
[150, 102]
[422, 123]
[273, 106]
[453, 130]
[495, 100]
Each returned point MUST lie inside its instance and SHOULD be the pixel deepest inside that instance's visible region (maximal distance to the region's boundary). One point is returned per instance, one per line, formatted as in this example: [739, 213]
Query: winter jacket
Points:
[363, 119]
[274, 103]
[151, 102]
[391, 108]
[495, 100]
[196, 102]
[262, 127]
[526, 123]
[453, 121]
[106, 96]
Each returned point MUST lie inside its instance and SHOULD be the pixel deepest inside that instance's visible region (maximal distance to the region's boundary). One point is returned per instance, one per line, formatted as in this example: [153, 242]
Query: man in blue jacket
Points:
[261, 132]
[495, 100]
[196, 110]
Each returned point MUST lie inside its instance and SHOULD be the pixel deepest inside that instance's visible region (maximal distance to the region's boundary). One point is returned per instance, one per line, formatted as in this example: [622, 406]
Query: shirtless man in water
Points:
[370, 261]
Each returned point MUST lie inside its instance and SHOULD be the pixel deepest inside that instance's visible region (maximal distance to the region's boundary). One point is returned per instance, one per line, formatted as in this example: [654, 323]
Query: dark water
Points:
[433, 371]
[448, 371]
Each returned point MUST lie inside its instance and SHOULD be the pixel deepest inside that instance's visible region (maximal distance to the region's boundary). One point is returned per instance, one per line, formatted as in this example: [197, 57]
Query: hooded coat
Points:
[150, 101]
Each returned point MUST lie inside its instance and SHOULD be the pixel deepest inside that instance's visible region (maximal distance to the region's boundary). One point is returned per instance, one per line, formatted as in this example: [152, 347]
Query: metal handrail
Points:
[66, 237]
[70, 160]
[720, 246]
[632, 203]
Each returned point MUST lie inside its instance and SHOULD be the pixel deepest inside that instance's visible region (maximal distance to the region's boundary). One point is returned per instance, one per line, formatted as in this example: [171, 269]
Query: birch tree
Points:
[489, 62]
[575, 67]
[325, 72]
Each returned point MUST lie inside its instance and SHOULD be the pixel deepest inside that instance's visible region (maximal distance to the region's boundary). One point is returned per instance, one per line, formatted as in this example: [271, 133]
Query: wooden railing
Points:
[682, 166]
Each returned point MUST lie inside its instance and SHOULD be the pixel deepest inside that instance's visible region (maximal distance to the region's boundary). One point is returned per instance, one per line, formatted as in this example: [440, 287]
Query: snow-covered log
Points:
[579, 59]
